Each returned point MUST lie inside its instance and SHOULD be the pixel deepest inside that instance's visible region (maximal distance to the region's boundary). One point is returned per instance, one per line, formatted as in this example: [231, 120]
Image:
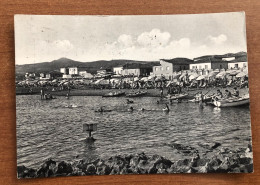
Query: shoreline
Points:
[150, 92]
[221, 160]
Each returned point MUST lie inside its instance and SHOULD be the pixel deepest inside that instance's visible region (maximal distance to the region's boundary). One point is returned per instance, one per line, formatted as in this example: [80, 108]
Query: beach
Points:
[101, 92]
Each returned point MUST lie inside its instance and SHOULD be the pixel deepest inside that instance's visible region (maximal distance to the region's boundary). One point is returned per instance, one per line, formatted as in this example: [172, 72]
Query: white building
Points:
[208, 62]
[73, 71]
[197, 65]
[63, 70]
[118, 70]
[238, 63]
[69, 70]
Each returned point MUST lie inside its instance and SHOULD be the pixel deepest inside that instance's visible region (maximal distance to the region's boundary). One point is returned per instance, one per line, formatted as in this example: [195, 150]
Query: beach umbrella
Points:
[201, 77]
[193, 76]
[176, 76]
[98, 81]
[151, 77]
[159, 78]
[145, 79]
[233, 73]
[104, 82]
[241, 74]
[114, 80]
[221, 74]
[212, 74]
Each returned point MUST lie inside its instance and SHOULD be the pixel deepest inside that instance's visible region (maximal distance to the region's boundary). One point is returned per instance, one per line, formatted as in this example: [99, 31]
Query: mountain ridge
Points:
[92, 67]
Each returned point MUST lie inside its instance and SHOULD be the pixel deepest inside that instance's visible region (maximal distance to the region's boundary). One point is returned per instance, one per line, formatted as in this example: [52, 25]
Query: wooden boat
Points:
[234, 102]
[137, 94]
[177, 96]
[103, 111]
[114, 94]
[205, 99]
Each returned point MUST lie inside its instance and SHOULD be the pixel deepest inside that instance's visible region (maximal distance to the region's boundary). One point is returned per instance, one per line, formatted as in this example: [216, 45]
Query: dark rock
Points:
[246, 168]
[152, 164]
[114, 172]
[134, 170]
[200, 162]
[98, 162]
[183, 162]
[126, 170]
[48, 169]
[91, 169]
[250, 147]
[245, 160]
[117, 163]
[235, 170]
[136, 159]
[207, 168]
[103, 170]
[250, 168]
[223, 168]
[216, 145]
[161, 171]
[23, 172]
[215, 162]
[64, 168]
[183, 169]
[192, 170]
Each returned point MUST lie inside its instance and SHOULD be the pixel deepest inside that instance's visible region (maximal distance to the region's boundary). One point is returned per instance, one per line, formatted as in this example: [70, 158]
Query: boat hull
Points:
[114, 95]
[231, 103]
[137, 95]
[176, 97]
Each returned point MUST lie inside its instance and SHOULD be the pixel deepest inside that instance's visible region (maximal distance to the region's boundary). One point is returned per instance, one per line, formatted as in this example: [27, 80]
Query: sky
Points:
[44, 38]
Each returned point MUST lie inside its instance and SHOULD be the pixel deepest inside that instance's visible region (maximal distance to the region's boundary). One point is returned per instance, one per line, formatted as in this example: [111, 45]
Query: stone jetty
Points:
[221, 161]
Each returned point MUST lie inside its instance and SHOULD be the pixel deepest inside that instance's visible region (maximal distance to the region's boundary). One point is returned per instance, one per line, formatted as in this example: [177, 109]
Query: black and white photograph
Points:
[132, 94]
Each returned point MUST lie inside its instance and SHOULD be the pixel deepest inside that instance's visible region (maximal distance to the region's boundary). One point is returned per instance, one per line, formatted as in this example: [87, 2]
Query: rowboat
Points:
[137, 94]
[234, 102]
[114, 94]
[177, 96]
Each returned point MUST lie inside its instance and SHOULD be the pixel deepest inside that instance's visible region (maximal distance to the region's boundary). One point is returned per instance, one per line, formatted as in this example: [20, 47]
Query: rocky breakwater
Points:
[222, 161]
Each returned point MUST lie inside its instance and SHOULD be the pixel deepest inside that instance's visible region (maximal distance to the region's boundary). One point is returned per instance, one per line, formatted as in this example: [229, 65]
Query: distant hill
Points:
[236, 55]
[91, 67]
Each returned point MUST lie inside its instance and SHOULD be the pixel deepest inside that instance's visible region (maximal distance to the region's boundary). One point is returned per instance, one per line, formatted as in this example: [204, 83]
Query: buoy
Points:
[90, 128]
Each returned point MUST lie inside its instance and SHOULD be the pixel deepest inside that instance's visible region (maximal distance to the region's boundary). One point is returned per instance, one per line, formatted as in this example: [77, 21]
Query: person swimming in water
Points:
[142, 109]
[131, 109]
[129, 101]
[100, 109]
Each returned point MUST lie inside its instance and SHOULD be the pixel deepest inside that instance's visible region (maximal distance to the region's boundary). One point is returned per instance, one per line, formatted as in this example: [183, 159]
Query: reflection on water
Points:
[52, 129]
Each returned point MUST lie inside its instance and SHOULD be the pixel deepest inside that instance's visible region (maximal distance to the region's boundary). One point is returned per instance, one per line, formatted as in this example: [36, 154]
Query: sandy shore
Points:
[151, 92]
[215, 160]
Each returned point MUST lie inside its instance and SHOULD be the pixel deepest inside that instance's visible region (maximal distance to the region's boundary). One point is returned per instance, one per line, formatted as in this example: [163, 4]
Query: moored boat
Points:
[177, 96]
[234, 102]
[205, 99]
[114, 94]
[137, 94]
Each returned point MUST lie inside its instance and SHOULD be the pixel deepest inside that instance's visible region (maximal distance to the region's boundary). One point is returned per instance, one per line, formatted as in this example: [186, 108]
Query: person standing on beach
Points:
[227, 94]
[42, 93]
[161, 92]
[236, 92]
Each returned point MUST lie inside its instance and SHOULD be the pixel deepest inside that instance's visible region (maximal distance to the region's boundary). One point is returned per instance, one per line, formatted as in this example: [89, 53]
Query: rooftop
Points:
[179, 61]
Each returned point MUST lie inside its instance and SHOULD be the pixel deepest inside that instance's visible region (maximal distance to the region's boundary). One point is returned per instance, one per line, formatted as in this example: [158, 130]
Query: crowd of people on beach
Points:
[183, 80]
